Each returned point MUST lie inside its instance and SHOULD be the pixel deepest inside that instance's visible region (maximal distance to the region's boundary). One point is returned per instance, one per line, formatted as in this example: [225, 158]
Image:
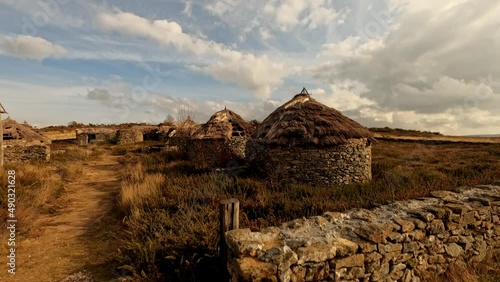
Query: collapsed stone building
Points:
[85, 136]
[149, 132]
[179, 136]
[220, 140]
[306, 141]
[23, 143]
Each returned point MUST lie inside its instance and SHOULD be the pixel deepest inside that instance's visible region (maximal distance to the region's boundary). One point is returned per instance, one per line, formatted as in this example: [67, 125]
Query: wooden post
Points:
[1, 139]
[229, 220]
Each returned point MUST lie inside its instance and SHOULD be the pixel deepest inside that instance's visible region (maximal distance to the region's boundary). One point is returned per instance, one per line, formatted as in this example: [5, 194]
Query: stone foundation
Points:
[403, 241]
[343, 164]
[16, 152]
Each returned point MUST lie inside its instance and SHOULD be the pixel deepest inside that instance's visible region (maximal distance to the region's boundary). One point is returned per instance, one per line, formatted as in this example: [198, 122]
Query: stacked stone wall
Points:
[212, 153]
[404, 241]
[19, 151]
[129, 136]
[323, 166]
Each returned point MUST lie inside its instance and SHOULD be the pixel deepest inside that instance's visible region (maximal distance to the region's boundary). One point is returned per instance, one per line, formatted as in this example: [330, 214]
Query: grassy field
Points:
[168, 211]
[171, 211]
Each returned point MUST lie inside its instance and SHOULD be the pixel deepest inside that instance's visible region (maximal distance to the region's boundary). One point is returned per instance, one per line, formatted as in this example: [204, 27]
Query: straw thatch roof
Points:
[15, 131]
[184, 129]
[304, 121]
[224, 125]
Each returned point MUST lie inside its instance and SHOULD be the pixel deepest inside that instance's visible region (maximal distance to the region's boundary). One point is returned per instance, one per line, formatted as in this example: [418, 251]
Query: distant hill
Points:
[484, 135]
[403, 132]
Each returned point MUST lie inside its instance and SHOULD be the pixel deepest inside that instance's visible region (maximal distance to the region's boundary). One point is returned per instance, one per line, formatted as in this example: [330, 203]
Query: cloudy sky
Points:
[427, 65]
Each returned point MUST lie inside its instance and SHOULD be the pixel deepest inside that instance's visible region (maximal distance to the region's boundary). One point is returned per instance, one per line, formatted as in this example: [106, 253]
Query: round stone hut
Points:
[306, 141]
[23, 143]
[220, 140]
[129, 136]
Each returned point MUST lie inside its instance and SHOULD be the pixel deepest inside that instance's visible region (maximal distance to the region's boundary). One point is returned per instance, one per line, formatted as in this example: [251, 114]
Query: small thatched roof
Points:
[224, 125]
[184, 129]
[15, 131]
[304, 121]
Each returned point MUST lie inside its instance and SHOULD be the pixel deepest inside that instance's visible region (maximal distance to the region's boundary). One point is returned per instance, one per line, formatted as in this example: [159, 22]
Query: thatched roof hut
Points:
[221, 140]
[179, 137]
[306, 141]
[304, 121]
[184, 129]
[23, 143]
[22, 132]
[224, 125]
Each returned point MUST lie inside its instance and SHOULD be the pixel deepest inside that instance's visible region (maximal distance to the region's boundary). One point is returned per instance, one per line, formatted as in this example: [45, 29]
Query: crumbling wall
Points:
[19, 151]
[129, 136]
[323, 166]
[403, 241]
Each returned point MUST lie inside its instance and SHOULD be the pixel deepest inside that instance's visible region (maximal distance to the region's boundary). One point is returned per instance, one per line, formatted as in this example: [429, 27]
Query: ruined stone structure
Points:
[149, 132]
[85, 136]
[219, 141]
[404, 241]
[306, 141]
[23, 143]
[17, 151]
[179, 137]
[129, 136]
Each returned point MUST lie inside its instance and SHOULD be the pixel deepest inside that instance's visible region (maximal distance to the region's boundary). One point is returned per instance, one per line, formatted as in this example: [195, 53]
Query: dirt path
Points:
[79, 237]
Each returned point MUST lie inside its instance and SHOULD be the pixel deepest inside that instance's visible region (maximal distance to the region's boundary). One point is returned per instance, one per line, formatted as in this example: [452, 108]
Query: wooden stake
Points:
[229, 220]
[1, 140]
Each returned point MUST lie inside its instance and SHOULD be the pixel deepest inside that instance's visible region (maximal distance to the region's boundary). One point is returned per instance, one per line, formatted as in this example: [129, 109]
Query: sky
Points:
[426, 65]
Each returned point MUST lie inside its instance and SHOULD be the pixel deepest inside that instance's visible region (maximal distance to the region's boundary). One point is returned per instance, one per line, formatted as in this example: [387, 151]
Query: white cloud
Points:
[258, 74]
[343, 96]
[265, 33]
[309, 13]
[424, 72]
[29, 47]
[187, 8]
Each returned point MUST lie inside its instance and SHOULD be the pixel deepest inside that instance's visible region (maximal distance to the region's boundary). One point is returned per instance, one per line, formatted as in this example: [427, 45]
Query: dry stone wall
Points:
[129, 136]
[212, 153]
[343, 164]
[19, 151]
[403, 241]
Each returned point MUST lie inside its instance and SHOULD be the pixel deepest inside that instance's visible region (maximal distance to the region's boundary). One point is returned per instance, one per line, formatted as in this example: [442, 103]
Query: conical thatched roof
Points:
[184, 129]
[224, 125]
[15, 131]
[304, 121]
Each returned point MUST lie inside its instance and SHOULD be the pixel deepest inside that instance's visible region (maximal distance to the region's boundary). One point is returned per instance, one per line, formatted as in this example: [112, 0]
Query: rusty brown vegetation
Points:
[172, 235]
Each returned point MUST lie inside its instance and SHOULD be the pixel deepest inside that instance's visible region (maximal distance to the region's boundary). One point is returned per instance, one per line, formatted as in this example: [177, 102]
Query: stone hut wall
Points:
[19, 151]
[129, 136]
[211, 153]
[179, 144]
[103, 137]
[404, 241]
[82, 139]
[95, 136]
[343, 164]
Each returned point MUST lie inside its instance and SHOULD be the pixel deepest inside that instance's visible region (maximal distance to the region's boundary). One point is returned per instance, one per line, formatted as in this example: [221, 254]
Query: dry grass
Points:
[457, 271]
[137, 192]
[172, 236]
[41, 185]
